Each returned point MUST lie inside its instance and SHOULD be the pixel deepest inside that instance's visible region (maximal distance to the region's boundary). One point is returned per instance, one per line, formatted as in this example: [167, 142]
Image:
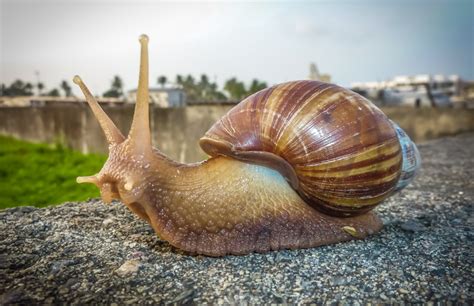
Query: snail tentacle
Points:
[112, 133]
[139, 134]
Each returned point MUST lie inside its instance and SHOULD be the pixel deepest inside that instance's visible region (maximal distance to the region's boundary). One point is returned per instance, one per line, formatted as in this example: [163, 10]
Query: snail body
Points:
[296, 165]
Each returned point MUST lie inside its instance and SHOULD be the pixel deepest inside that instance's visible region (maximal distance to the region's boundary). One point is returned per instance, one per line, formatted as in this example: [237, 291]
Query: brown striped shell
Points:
[338, 150]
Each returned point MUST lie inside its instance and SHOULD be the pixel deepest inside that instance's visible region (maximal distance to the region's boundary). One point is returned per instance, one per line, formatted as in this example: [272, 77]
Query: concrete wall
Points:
[177, 131]
[429, 123]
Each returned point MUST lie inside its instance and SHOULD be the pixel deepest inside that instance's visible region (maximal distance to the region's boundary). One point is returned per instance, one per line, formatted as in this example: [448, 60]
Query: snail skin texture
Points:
[296, 165]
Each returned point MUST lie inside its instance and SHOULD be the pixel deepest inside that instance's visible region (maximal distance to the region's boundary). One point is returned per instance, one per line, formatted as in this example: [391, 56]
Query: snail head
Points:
[129, 157]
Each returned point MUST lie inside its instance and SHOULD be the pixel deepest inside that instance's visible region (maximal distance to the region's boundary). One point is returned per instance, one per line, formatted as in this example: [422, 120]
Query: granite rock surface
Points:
[90, 252]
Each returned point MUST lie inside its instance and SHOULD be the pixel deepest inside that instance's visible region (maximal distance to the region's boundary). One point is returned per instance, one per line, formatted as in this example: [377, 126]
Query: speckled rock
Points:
[90, 252]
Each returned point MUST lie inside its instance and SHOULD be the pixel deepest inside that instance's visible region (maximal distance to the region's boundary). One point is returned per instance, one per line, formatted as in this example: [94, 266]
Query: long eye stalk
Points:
[139, 139]
[140, 131]
[112, 133]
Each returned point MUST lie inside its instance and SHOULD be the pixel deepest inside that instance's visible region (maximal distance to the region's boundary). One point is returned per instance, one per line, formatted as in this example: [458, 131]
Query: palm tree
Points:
[203, 87]
[117, 84]
[255, 86]
[66, 88]
[179, 79]
[204, 80]
[40, 87]
[53, 93]
[116, 88]
[162, 80]
[236, 89]
[28, 89]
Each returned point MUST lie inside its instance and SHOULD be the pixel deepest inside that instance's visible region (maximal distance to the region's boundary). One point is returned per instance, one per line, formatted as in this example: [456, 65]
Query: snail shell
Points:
[337, 149]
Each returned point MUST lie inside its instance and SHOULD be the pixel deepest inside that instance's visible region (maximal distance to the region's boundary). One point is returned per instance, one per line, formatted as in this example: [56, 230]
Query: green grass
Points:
[41, 175]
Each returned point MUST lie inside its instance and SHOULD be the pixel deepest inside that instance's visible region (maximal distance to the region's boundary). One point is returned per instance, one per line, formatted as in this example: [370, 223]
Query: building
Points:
[163, 96]
[417, 90]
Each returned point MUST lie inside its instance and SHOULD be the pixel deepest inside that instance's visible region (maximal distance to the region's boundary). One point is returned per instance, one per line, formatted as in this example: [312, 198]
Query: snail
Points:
[297, 165]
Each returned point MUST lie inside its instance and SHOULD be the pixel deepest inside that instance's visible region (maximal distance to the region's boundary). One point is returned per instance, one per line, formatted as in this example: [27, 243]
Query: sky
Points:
[274, 41]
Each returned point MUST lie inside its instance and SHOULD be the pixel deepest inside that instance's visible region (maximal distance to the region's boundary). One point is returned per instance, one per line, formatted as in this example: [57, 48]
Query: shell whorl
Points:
[337, 149]
[411, 158]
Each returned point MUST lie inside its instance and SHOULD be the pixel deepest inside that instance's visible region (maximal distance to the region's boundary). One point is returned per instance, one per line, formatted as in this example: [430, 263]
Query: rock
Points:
[57, 266]
[63, 290]
[337, 281]
[24, 209]
[63, 254]
[128, 267]
[108, 221]
[439, 272]
[184, 297]
[412, 226]
[16, 296]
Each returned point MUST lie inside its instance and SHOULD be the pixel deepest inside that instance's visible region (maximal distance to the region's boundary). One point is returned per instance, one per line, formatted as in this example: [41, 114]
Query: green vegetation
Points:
[41, 175]
[21, 88]
[197, 90]
[17, 88]
[116, 88]
[205, 90]
[67, 88]
[237, 90]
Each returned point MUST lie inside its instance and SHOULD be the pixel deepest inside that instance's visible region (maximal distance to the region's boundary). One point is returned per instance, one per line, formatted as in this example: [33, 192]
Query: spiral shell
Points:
[337, 149]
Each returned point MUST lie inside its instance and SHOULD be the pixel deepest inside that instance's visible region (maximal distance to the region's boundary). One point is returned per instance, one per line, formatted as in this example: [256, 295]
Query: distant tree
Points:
[219, 96]
[208, 91]
[116, 89]
[205, 90]
[40, 87]
[162, 80]
[179, 79]
[53, 93]
[29, 89]
[18, 88]
[236, 89]
[204, 80]
[189, 80]
[66, 88]
[189, 86]
[3, 90]
[255, 86]
[117, 84]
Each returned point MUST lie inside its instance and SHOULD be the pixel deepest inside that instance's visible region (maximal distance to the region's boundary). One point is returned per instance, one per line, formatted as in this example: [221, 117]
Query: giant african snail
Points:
[296, 165]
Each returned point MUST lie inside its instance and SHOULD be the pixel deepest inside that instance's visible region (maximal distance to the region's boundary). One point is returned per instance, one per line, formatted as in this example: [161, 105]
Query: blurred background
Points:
[414, 59]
